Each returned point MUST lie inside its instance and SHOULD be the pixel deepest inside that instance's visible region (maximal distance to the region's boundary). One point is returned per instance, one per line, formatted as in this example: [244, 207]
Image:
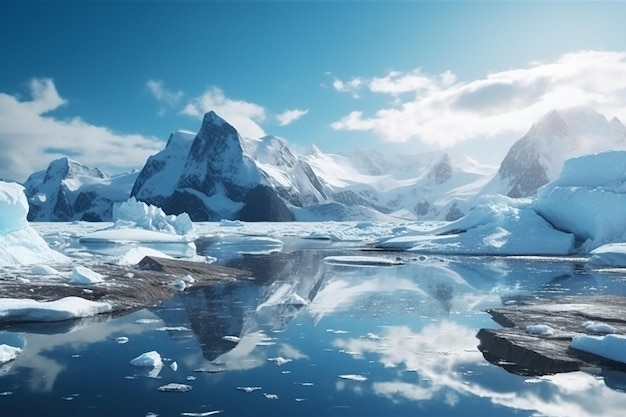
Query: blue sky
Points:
[106, 82]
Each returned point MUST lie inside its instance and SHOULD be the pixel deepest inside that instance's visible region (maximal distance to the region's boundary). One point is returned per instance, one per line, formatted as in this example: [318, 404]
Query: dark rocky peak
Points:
[442, 169]
[65, 168]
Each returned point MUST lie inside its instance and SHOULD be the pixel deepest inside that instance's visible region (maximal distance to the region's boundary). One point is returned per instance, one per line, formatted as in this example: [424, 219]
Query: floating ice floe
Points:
[174, 366]
[8, 353]
[362, 261]
[610, 255]
[24, 310]
[205, 414]
[234, 339]
[85, 276]
[150, 359]
[353, 377]
[121, 340]
[270, 396]
[249, 389]
[174, 387]
[279, 360]
[611, 346]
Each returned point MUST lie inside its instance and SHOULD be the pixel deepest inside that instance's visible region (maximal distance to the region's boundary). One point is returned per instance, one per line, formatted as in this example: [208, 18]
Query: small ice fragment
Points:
[353, 377]
[248, 389]
[540, 329]
[22, 280]
[299, 400]
[172, 329]
[270, 396]
[594, 327]
[191, 378]
[333, 331]
[372, 336]
[233, 339]
[279, 360]
[121, 340]
[130, 275]
[85, 276]
[151, 414]
[205, 414]
[210, 370]
[304, 384]
[179, 284]
[174, 387]
[188, 279]
[6, 393]
[87, 291]
[149, 359]
[174, 366]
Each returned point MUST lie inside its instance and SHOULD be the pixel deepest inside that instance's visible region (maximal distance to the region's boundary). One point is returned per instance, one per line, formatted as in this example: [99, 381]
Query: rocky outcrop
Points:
[530, 354]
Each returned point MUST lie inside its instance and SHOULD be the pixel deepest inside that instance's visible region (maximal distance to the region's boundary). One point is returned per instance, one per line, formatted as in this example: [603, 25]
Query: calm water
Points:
[373, 341]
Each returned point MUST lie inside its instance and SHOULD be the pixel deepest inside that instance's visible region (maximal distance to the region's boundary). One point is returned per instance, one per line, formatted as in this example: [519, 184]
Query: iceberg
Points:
[8, 353]
[588, 199]
[133, 213]
[150, 359]
[19, 243]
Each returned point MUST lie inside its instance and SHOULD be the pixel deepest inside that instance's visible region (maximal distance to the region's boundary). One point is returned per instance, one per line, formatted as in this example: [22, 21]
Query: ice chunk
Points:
[611, 346]
[121, 340]
[174, 387]
[248, 389]
[174, 366]
[85, 276]
[23, 310]
[279, 360]
[540, 329]
[150, 359]
[205, 414]
[609, 255]
[270, 396]
[142, 215]
[8, 353]
[234, 339]
[136, 254]
[594, 327]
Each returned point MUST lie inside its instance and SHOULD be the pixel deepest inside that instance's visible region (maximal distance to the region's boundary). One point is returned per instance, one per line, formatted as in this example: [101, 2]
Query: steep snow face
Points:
[537, 158]
[168, 163]
[216, 157]
[588, 199]
[68, 190]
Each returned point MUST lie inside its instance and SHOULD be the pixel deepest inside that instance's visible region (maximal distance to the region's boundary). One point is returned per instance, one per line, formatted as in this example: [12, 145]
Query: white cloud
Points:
[162, 94]
[30, 139]
[290, 116]
[440, 110]
[243, 115]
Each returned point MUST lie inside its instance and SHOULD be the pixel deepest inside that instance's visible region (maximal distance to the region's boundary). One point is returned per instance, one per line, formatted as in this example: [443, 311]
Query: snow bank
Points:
[611, 346]
[498, 226]
[139, 214]
[588, 199]
[19, 243]
[85, 276]
[23, 310]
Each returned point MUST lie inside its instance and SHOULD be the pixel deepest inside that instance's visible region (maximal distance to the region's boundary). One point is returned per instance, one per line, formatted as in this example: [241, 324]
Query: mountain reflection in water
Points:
[401, 337]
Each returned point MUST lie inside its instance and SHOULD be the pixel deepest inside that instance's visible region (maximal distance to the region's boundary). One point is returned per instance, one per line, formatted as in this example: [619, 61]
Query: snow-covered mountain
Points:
[537, 158]
[217, 174]
[425, 186]
[220, 175]
[68, 190]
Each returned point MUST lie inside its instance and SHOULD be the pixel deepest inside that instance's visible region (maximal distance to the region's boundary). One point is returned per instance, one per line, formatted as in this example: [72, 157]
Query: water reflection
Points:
[300, 323]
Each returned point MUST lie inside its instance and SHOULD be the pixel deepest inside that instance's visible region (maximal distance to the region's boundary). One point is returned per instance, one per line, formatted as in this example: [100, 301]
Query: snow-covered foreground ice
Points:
[24, 310]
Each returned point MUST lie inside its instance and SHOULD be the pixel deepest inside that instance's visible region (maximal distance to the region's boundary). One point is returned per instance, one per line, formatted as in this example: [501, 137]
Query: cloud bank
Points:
[439, 110]
[30, 138]
[243, 115]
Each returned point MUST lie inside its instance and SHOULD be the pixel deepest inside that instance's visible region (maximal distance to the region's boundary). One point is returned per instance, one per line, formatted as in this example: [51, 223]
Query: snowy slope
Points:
[429, 185]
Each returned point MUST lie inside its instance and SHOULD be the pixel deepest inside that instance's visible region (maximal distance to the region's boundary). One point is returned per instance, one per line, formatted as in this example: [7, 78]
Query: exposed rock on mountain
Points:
[220, 175]
[537, 158]
[68, 190]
